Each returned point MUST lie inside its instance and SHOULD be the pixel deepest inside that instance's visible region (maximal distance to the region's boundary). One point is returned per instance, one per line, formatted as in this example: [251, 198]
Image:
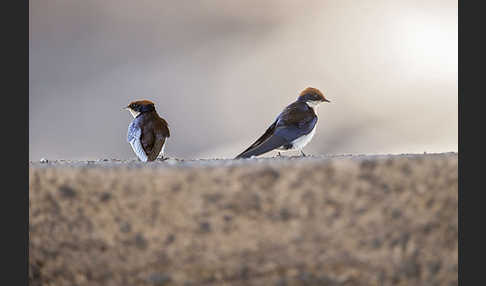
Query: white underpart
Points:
[299, 143]
[137, 147]
[313, 104]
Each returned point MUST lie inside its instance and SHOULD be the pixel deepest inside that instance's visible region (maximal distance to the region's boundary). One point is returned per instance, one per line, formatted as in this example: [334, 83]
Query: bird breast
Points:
[303, 140]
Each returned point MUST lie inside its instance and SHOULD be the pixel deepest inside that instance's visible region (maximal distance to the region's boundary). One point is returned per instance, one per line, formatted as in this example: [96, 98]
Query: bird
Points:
[148, 132]
[293, 128]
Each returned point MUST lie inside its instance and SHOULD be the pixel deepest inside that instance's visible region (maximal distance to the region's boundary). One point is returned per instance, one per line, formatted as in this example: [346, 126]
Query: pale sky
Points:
[221, 71]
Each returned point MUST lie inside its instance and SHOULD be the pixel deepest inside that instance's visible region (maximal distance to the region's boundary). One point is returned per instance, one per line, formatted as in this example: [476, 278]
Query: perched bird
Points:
[148, 131]
[294, 127]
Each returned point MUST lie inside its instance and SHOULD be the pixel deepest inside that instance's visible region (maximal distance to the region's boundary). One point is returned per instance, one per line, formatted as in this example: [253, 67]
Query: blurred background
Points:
[220, 71]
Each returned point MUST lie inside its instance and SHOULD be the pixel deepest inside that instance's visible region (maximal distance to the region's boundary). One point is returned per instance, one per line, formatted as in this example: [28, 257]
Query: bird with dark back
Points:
[148, 132]
[294, 127]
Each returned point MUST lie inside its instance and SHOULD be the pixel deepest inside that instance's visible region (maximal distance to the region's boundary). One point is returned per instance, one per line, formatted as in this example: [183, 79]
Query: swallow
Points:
[148, 131]
[294, 127]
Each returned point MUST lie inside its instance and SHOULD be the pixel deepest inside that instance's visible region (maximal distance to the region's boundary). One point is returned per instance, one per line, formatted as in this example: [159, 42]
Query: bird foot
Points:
[303, 154]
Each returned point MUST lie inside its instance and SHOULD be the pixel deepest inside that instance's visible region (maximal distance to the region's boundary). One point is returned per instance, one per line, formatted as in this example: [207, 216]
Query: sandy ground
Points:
[320, 220]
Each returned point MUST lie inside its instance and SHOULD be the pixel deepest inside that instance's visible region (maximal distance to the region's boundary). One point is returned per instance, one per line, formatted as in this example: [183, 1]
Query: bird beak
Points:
[124, 108]
[326, 100]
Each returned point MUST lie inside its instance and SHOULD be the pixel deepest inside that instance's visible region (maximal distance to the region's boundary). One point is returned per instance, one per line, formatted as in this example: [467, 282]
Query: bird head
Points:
[312, 96]
[140, 106]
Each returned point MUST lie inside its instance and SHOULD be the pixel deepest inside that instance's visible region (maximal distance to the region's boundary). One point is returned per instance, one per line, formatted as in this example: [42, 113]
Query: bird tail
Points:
[271, 143]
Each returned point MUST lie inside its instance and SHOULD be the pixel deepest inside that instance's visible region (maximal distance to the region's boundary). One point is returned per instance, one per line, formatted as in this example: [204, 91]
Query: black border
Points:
[15, 135]
[472, 87]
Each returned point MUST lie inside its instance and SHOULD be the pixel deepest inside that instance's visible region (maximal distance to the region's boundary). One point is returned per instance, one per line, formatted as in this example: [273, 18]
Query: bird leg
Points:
[279, 155]
[302, 153]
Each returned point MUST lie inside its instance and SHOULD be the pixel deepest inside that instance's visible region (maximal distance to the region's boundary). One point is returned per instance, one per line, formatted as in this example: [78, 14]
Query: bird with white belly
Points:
[148, 132]
[294, 127]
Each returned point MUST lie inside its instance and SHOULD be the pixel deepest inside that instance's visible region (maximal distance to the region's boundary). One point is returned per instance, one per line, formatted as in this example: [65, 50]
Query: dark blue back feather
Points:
[294, 121]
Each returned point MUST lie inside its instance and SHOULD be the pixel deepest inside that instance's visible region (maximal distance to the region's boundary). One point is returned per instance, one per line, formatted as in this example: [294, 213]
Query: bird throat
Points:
[134, 113]
[313, 104]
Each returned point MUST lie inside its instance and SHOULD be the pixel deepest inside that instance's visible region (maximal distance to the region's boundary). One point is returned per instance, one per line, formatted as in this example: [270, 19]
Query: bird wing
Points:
[147, 134]
[263, 144]
[157, 146]
[164, 127]
[154, 133]
[262, 138]
[133, 137]
[269, 144]
[295, 120]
